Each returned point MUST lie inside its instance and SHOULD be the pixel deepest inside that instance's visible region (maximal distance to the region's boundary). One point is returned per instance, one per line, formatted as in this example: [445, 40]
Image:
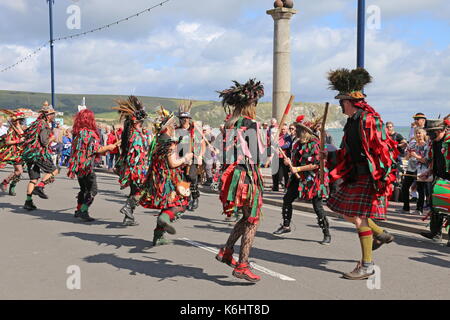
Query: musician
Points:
[440, 169]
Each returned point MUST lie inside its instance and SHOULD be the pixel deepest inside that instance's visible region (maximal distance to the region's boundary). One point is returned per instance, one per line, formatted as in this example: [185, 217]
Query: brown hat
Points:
[419, 115]
[47, 109]
[433, 125]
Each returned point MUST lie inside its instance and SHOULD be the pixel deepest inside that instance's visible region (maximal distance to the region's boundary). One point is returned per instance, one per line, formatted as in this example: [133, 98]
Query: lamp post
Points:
[361, 33]
[52, 58]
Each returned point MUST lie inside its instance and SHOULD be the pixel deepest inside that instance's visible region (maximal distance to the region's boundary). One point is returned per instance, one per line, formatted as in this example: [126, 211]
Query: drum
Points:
[441, 195]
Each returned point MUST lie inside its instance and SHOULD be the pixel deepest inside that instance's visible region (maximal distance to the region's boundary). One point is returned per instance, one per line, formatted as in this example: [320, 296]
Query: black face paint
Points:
[341, 103]
[432, 135]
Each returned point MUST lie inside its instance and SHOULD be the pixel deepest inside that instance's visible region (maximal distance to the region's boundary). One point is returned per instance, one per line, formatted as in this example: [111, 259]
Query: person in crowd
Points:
[113, 154]
[3, 128]
[210, 154]
[402, 143]
[285, 143]
[67, 146]
[419, 122]
[58, 145]
[416, 154]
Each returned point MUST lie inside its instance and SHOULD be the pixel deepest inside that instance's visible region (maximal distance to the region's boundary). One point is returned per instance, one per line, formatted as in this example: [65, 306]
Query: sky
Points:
[190, 49]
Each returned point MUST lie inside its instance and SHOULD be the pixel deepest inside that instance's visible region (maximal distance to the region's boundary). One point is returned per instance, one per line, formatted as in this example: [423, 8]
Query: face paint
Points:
[432, 135]
[341, 103]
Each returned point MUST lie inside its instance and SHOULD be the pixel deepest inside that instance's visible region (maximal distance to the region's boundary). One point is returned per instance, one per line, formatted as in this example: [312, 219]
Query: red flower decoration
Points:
[300, 118]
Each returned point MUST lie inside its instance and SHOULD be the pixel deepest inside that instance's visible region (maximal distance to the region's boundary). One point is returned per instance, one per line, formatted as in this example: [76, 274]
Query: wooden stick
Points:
[290, 166]
[322, 144]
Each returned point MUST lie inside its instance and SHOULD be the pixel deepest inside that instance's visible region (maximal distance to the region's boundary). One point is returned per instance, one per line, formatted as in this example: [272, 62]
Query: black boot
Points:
[39, 191]
[29, 205]
[195, 204]
[325, 226]
[129, 222]
[128, 209]
[85, 217]
[190, 206]
[12, 191]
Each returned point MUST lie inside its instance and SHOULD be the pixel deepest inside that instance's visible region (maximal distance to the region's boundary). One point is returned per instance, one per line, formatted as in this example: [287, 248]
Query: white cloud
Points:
[16, 5]
[196, 55]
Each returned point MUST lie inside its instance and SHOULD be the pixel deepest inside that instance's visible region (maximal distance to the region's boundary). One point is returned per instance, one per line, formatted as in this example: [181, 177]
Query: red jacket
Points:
[111, 140]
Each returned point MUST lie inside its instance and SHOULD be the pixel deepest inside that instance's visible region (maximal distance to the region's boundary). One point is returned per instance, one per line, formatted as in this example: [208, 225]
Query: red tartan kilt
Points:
[358, 199]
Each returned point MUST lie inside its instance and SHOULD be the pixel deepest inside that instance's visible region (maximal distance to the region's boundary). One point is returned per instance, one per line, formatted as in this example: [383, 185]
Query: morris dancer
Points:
[440, 169]
[37, 154]
[306, 163]
[85, 147]
[132, 163]
[11, 148]
[191, 141]
[242, 184]
[366, 163]
[165, 188]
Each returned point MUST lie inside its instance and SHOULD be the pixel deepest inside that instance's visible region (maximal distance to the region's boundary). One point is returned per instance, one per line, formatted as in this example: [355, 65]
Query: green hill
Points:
[210, 112]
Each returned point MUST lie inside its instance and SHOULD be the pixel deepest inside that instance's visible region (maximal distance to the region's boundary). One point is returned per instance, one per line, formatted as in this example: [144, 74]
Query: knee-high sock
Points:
[366, 239]
[375, 228]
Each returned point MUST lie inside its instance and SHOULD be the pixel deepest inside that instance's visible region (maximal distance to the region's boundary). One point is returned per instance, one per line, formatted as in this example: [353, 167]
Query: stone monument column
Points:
[281, 59]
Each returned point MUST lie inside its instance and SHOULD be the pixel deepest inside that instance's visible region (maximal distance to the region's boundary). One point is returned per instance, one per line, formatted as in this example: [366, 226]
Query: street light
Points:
[361, 33]
[52, 65]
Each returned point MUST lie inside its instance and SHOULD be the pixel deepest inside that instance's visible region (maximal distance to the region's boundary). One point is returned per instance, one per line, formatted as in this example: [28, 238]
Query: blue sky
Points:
[186, 50]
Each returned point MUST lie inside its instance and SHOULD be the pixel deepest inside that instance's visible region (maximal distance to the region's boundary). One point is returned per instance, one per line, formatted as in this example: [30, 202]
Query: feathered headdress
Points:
[348, 83]
[14, 115]
[308, 126]
[164, 120]
[47, 108]
[242, 95]
[184, 110]
[131, 109]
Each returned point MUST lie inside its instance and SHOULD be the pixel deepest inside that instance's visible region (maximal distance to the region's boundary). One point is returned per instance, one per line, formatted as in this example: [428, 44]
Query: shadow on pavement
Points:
[433, 259]
[284, 258]
[58, 215]
[160, 268]
[118, 241]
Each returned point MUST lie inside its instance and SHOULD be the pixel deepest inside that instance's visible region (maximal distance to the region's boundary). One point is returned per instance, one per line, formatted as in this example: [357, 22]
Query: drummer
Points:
[440, 169]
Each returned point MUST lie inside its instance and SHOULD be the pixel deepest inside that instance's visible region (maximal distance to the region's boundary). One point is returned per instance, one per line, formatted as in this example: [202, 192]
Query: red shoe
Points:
[226, 256]
[242, 271]
[4, 186]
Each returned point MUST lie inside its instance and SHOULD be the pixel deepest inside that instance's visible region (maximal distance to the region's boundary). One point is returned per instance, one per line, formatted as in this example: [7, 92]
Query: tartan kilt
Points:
[359, 199]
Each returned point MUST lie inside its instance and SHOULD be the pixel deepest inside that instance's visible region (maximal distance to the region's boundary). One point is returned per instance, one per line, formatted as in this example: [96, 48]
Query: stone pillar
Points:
[281, 59]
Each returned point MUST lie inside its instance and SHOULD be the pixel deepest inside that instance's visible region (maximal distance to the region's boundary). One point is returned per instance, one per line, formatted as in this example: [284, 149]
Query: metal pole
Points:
[52, 58]
[361, 33]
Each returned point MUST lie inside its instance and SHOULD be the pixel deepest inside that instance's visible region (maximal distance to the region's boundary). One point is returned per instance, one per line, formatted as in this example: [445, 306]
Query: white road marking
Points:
[253, 265]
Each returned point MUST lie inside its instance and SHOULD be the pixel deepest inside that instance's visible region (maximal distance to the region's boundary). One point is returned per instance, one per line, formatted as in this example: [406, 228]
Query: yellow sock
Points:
[375, 228]
[366, 238]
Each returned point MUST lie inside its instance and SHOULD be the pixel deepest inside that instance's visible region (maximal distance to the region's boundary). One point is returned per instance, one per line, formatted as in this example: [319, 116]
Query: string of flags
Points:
[35, 52]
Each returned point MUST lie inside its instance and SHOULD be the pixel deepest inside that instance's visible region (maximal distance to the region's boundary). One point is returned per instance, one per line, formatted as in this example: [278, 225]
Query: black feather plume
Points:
[241, 95]
[346, 81]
